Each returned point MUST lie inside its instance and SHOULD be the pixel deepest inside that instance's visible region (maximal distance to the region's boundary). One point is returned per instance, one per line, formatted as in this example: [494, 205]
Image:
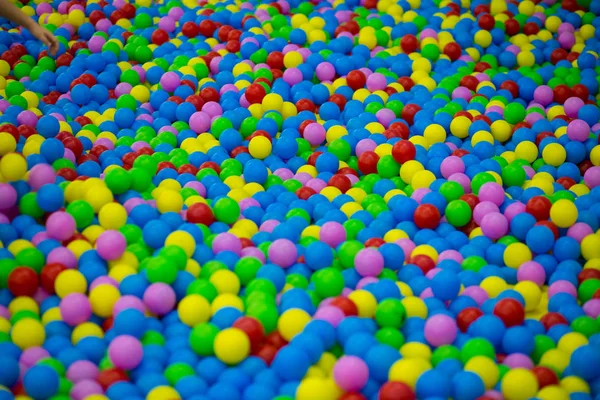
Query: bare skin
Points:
[11, 12]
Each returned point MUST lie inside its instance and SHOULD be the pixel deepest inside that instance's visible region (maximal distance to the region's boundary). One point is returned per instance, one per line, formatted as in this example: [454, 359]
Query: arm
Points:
[11, 12]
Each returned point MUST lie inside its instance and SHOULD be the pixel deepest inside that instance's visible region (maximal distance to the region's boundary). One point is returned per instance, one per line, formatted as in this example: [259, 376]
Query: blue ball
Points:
[291, 363]
[318, 255]
[539, 239]
[445, 285]
[582, 361]
[41, 382]
[9, 370]
[130, 322]
[467, 385]
[50, 197]
[433, 383]
[52, 149]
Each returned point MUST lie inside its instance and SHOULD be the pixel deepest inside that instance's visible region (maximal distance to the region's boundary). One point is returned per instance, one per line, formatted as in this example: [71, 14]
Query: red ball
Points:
[255, 93]
[511, 86]
[96, 16]
[581, 91]
[425, 263]
[267, 353]
[312, 159]
[566, 182]
[403, 151]
[374, 242]
[159, 37]
[545, 376]
[553, 318]
[305, 105]
[108, 377]
[470, 82]
[356, 79]
[471, 199]
[49, 274]
[409, 43]
[210, 94]
[239, 150]
[486, 21]
[275, 60]
[341, 182]
[274, 338]
[409, 111]
[190, 29]
[207, 28]
[165, 164]
[539, 207]
[396, 391]
[558, 55]
[453, 51]
[561, 93]
[512, 27]
[406, 82]
[338, 100]
[23, 281]
[531, 28]
[305, 192]
[467, 316]
[187, 169]
[588, 273]
[200, 213]
[212, 165]
[367, 162]
[401, 128]
[253, 329]
[427, 216]
[196, 101]
[346, 305]
[510, 311]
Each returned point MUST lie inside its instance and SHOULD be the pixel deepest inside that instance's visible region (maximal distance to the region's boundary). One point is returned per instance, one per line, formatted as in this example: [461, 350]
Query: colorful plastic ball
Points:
[282, 252]
[351, 373]
[27, 333]
[518, 384]
[440, 330]
[368, 262]
[125, 352]
[111, 244]
[41, 382]
[232, 346]
[510, 311]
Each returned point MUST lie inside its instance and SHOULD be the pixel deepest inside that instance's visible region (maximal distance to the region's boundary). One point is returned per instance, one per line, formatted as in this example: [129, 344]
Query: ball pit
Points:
[318, 200]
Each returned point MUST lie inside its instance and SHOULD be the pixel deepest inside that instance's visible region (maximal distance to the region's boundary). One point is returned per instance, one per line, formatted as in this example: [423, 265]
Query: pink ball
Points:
[368, 262]
[63, 256]
[562, 286]
[493, 192]
[159, 298]
[476, 293]
[8, 196]
[283, 252]
[532, 271]
[482, 209]
[75, 308]
[572, 106]
[333, 315]
[376, 81]
[592, 177]
[351, 373]
[85, 388]
[314, 133]
[325, 71]
[452, 165]
[543, 95]
[440, 329]
[332, 233]
[170, 81]
[518, 360]
[494, 225]
[60, 225]
[128, 302]
[81, 370]
[579, 231]
[592, 308]
[125, 352]
[111, 245]
[578, 130]
[227, 242]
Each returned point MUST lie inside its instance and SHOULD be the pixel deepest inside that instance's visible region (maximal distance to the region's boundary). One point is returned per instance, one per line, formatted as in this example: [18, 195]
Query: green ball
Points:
[143, 20]
[118, 180]
[353, 227]
[347, 251]
[82, 212]
[175, 255]
[458, 213]
[585, 325]
[329, 282]
[514, 113]
[7, 265]
[28, 205]
[265, 313]
[177, 371]
[160, 269]
[246, 269]
[477, 347]
[130, 76]
[204, 288]
[444, 352]
[513, 175]
[451, 190]
[147, 163]
[262, 285]
[210, 268]
[473, 263]
[219, 125]
[387, 167]
[390, 336]
[340, 148]
[226, 210]
[14, 88]
[390, 313]
[587, 289]
[202, 339]
[543, 343]
[297, 281]
[32, 258]
[141, 179]
[431, 51]
[479, 180]
[132, 233]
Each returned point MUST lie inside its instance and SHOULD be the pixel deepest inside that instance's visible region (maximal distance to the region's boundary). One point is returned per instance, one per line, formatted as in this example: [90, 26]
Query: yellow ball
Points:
[483, 38]
[193, 309]
[225, 281]
[317, 388]
[23, 303]
[70, 281]
[493, 286]
[422, 179]
[501, 130]
[292, 322]
[414, 306]
[552, 392]
[292, 59]
[554, 154]
[163, 393]
[486, 368]
[527, 151]
[531, 293]
[459, 126]
[13, 167]
[365, 302]
[571, 341]
[435, 133]
[525, 59]
[409, 169]
[112, 216]
[272, 102]
[556, 359]
[408, 370]
[564, 213]
[169, 201]
[260, 147]
[27, 333]
[519, 384]
[103, 298]
[590, 247]
[232, 346]
[516, 254]
[8, 144]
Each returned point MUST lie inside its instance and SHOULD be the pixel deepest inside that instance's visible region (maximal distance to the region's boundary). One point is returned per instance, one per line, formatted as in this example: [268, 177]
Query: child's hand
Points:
[46, 37]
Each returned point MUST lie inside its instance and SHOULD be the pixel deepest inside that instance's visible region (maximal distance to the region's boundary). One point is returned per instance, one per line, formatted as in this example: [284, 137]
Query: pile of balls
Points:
[312, 200]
